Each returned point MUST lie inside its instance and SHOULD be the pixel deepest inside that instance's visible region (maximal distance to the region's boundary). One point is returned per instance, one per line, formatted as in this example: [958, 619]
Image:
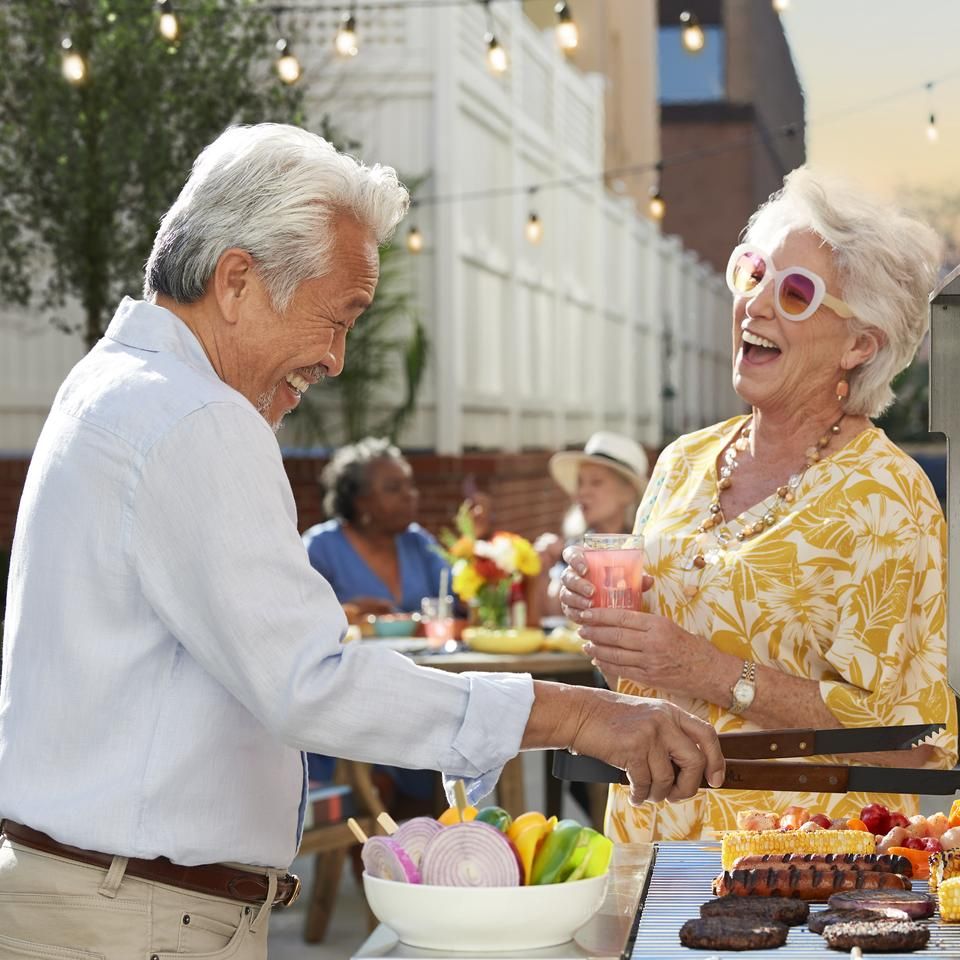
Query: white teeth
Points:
[749, 337]
[298, 383]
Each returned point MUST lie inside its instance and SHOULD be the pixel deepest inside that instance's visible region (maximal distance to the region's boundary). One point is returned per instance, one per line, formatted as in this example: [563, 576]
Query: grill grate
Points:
[680, 881]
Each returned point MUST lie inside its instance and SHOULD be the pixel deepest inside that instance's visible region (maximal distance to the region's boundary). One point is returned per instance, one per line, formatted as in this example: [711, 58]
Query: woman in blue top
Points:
[379, 561]
[372, 552]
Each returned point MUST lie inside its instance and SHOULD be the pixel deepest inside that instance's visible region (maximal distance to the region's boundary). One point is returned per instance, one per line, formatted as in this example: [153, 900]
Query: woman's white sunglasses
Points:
[798, 293]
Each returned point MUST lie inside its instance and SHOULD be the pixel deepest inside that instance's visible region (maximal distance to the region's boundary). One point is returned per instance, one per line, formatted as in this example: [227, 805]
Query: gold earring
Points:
[843, 389]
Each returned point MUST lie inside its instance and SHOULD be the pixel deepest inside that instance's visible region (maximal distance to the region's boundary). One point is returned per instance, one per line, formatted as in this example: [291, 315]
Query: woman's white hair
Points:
[275, 191]
[886, 262]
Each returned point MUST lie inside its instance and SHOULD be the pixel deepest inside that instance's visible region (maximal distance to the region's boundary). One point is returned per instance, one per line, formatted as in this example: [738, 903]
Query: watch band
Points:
[748, 677]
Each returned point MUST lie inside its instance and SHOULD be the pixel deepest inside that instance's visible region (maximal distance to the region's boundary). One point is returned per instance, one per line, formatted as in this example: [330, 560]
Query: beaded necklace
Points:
[784, 494]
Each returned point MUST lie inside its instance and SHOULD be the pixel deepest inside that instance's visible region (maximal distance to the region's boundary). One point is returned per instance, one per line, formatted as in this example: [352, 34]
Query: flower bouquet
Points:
[486, 571]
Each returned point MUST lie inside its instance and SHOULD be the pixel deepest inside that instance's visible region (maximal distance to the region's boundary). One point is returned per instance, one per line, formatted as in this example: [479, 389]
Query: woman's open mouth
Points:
[758, 350]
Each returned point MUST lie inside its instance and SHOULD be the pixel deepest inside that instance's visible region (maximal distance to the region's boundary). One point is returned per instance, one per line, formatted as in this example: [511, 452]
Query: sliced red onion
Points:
[415, 834]
[383, 857]
[916, 905]
[470, 854]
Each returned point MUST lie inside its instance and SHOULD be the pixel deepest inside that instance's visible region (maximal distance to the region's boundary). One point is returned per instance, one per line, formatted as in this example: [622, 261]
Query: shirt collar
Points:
[146, 326]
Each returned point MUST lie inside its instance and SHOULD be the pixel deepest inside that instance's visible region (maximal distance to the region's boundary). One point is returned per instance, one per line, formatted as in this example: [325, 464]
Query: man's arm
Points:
[664, 750]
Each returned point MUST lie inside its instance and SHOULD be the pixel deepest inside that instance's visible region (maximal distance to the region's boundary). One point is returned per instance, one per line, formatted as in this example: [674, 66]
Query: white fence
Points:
[532, 346]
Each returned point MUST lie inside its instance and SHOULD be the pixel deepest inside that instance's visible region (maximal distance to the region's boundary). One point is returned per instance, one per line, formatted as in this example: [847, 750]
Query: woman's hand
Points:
[645, 648]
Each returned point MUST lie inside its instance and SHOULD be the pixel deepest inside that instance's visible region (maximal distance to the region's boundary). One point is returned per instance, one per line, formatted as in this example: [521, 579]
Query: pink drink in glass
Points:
[615, 568]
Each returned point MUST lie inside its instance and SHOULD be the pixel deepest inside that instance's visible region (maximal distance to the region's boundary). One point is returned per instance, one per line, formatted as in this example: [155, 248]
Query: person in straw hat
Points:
[605, 481]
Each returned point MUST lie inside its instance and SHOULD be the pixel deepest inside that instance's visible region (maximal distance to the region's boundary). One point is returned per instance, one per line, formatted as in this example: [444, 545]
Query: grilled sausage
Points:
[787, 880]
[881, 862]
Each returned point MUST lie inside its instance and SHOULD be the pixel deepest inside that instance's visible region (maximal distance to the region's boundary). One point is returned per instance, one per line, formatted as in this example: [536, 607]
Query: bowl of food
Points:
[489, 883]
[395, 625]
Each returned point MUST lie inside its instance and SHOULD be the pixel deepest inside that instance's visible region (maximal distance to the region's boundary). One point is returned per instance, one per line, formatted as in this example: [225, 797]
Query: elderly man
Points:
[169, 649]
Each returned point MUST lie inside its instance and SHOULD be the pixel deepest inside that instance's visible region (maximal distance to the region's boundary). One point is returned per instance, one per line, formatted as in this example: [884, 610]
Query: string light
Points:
[497, 60]
[496, 55]
[568, 36]
[168, 24]
[414, 240]
[72, 65]
[288, 66]
[657, 206]
[781, 6]
[346, 39]
[692, 33]
[933, 135]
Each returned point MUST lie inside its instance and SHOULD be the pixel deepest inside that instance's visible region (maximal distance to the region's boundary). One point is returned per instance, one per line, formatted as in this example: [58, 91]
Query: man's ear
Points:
[232, 278]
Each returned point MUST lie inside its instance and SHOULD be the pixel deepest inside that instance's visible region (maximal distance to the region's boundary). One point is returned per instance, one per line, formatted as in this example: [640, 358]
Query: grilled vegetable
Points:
[948, 895]
[742, 843]
[943, 866]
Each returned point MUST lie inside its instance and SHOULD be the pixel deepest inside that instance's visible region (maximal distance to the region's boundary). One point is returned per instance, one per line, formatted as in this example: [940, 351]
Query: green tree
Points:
[86, 171]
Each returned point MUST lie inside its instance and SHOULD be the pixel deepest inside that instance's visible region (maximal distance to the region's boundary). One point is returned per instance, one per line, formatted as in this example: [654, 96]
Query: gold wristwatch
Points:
[745, 689]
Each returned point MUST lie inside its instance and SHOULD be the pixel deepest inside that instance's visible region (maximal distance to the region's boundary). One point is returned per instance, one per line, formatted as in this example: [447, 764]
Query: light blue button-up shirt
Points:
[169, 650]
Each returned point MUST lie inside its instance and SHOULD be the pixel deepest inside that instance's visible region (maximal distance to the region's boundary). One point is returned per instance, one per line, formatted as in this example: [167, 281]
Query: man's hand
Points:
[663, 749]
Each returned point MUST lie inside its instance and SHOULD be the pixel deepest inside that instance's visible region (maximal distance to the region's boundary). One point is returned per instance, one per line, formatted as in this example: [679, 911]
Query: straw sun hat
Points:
[611, 450]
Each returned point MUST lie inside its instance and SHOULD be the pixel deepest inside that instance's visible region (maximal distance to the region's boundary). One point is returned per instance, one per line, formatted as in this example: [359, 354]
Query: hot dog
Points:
[883, 863]
[786, 880]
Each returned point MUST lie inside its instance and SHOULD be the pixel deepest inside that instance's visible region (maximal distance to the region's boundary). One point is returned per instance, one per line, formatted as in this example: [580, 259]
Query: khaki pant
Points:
[52, 908]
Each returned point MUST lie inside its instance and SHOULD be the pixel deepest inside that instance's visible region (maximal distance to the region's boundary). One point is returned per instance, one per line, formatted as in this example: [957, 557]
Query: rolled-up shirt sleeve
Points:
[215, 544]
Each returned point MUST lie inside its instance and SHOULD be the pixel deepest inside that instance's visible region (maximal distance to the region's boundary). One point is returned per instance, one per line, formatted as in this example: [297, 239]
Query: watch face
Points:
[743, 693]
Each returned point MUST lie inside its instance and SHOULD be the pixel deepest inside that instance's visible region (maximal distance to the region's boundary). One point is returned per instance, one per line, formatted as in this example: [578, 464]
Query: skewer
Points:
[388, 823]
[460, 795]
[856, 954]
[356, 830]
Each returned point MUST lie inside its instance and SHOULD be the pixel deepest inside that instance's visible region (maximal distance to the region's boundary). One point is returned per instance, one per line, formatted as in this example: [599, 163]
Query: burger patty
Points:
[732, 933]
[819, 921]
[788, 910]
[884, 936]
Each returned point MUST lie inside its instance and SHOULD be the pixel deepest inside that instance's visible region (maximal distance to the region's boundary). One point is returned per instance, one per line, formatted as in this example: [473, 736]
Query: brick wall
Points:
[525, 499]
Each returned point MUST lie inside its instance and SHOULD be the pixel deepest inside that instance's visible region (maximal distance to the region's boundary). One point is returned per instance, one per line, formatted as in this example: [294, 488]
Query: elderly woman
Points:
[372, 552]
[796, 554]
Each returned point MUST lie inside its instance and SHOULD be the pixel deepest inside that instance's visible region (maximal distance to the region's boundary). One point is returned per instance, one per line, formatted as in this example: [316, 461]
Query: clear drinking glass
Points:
[615, 568]
[436, 614]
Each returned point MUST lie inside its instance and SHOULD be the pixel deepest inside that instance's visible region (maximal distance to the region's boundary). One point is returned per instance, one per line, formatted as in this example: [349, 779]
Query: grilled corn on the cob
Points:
[949, 896]
[743, 843]
[943, 866]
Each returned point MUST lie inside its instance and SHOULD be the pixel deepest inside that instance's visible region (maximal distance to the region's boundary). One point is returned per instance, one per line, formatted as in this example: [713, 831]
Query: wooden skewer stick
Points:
[461, 797]
[356, 830]
[388, 823]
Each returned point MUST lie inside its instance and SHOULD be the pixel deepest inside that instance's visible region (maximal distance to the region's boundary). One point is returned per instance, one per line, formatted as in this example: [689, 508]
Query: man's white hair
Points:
[275, 191]
[887, 264]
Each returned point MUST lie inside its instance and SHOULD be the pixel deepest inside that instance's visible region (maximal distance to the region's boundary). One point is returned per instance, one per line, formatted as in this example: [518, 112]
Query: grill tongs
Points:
[752, 762]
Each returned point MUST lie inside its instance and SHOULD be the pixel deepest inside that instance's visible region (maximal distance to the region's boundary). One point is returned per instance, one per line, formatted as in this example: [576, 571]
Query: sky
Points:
[850, 54]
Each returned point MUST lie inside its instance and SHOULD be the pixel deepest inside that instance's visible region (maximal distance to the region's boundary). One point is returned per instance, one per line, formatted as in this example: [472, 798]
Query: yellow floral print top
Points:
[846, 588]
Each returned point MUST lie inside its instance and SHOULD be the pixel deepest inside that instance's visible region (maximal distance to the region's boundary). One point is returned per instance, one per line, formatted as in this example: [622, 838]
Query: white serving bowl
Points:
[484, 918]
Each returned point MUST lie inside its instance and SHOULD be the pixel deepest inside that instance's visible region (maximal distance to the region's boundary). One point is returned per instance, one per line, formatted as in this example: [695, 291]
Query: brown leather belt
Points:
[213, 879]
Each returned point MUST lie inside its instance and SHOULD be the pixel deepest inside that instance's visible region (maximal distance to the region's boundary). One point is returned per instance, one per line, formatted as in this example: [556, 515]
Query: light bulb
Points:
[73, 66]
[288, 66]
[692, 34]
[933, 135]
[568, 36]
[496, 55]
[414, 240]
[169, 26]
[781, 5]
[533, 229]
[657, 206]
[346, 39]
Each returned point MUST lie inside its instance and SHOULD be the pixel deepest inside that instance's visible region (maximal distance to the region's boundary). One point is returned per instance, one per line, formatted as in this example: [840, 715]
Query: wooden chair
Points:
[352, 793]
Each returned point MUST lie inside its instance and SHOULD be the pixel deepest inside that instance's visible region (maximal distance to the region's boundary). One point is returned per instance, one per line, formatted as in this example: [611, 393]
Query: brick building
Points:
[731, 120]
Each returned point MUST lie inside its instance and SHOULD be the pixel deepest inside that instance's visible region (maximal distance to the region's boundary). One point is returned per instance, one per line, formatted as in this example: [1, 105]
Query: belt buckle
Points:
[296, 890]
